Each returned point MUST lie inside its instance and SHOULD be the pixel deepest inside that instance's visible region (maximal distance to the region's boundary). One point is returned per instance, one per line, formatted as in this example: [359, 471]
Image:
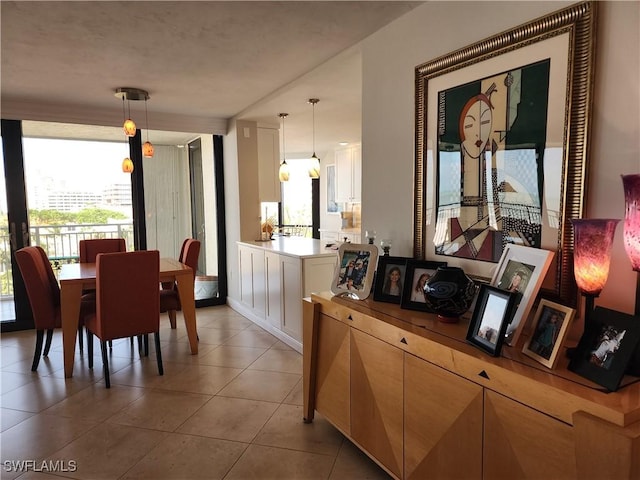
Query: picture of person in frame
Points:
[606, 346]
[393, 281]
[545, 336]
[354, 270]
[420, 278]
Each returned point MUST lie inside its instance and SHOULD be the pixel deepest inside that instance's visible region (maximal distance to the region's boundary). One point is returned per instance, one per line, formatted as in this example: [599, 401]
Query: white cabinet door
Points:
[246, 276]
[348, 174]
[268, 164]
[259, 282]
[274, 280]
[343, 175]
[291, 270]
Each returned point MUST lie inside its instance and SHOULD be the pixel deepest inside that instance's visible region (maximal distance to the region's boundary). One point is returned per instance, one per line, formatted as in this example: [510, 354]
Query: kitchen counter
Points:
[294, 247]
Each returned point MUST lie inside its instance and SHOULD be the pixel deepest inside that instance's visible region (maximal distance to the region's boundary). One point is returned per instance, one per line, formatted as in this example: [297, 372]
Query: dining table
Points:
[76, 277]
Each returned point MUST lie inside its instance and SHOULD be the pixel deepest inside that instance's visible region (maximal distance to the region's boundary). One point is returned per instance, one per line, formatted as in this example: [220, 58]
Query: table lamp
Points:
[631, 184]
[593, 239]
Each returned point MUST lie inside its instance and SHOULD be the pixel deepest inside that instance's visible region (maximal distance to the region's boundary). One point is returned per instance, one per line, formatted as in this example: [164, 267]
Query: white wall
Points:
[436, 28]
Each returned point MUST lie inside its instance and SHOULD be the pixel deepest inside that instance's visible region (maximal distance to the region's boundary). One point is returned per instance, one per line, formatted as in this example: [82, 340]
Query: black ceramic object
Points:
[449, 293]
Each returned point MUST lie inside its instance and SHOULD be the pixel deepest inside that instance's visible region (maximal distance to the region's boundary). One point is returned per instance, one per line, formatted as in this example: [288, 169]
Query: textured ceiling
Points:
[202, 63]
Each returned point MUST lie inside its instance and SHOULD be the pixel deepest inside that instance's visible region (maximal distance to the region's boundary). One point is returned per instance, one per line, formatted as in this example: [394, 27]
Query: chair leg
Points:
[110, 344]
[36, 355]
[105, 363]
[172, 318]
[158, 353]
[47, 344]
[146, 344]
[90, 347]
[80, 338]
[140, 345]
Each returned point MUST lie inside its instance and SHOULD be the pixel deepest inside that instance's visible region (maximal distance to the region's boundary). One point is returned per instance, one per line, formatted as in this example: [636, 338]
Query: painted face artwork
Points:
[475, 125]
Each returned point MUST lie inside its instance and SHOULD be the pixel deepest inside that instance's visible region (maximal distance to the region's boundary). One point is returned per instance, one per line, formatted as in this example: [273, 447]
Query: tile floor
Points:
[234, 411]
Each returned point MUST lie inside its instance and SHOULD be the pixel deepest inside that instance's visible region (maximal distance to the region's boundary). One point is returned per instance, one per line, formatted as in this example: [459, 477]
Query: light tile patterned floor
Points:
[234, 411]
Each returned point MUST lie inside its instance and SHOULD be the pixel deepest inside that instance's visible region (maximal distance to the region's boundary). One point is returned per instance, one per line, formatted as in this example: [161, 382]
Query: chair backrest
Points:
[127, 294]
[189, 254]
[92, 247]
[41, 285]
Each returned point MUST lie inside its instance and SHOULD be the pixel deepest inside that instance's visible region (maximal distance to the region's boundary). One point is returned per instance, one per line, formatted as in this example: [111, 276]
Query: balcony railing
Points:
[61, 244]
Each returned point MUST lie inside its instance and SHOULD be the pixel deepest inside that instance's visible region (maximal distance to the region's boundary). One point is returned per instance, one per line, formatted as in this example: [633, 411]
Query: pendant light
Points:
[283, 172]
[147, 148]
[129, 126]
[314, 164]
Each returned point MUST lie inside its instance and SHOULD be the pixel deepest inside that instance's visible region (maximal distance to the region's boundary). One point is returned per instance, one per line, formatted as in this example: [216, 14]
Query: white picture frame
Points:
[356, 265]
[522, 270]
[544, 325]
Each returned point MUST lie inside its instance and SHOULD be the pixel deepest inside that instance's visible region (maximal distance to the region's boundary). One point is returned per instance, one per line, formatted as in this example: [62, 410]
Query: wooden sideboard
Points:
[421, 402]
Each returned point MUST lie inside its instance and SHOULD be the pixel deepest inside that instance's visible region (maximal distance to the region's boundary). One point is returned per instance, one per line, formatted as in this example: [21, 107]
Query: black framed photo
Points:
[417, 275]
[390, 278]
[606, 347]
[493, 311]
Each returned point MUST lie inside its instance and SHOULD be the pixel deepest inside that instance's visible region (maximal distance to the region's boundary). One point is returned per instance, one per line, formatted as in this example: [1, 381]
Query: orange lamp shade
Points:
[129, 127]
[127, 165]
[593, 239]
[147, 149]
[283, 173]
[631, 184]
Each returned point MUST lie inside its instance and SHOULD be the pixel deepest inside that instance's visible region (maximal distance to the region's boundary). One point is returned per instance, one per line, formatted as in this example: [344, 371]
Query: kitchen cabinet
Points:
[275, 276]
[349, 174]
[268, 164]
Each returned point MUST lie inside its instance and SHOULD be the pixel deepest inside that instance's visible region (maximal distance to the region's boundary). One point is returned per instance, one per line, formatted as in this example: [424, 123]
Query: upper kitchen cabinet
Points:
[349, 174]
[268, 164]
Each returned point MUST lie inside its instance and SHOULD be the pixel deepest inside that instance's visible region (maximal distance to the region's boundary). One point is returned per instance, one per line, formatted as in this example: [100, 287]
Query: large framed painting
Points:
[501, 146]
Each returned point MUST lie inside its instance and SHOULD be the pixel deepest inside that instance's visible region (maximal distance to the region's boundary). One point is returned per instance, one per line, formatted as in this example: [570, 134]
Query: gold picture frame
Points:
[565, 40]
[550, 326]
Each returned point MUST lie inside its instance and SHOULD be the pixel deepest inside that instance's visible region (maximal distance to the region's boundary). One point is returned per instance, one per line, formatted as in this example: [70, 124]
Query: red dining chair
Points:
[43, 292]
[127, 301]
[90, 248]
[169, 297]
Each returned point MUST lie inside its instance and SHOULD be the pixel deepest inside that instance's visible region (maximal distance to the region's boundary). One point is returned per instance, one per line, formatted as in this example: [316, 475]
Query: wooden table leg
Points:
[188, 304]
[310, 312]
[70, 295]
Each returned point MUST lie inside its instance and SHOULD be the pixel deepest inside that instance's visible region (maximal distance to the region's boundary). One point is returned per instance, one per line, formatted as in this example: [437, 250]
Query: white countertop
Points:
[294, 247]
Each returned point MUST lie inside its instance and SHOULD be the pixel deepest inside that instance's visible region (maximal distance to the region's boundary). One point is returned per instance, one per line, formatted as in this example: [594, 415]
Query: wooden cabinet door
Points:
[259, 282]
[344, 177]
[246, 276]
[332, 373]
[274, 290]
[376, 399]
[522, 443]
[442, 423]
[356, 173]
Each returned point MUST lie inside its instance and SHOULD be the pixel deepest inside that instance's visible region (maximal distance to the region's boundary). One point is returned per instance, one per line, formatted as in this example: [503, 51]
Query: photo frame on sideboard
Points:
[606, 348]
[521, 270]
[550, 326]
[518, 175]
[356, 265]
[491, 315]
[418, 273]
[390, 278]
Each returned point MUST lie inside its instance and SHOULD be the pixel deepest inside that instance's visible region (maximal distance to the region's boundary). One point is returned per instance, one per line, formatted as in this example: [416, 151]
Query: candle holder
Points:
[385, 244]
[371, 236]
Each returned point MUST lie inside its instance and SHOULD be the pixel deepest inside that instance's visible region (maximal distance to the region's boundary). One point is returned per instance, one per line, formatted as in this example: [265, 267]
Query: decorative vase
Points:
[449, 293]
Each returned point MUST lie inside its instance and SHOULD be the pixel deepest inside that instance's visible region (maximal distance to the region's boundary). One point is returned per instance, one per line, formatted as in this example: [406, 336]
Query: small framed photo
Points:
[390, 279]
[550, 327]
[606, 347]
[418, 273]
[493, 310]
[354, 272]
[521, 270]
